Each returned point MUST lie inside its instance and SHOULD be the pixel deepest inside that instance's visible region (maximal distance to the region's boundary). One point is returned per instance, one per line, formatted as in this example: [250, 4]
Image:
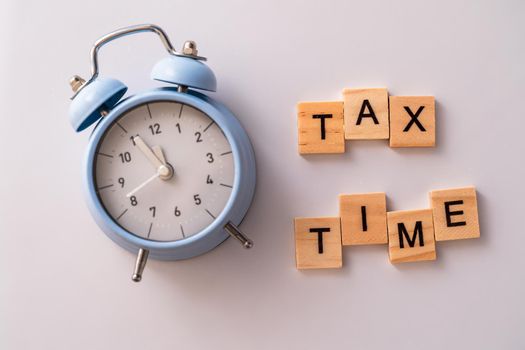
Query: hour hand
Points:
[158, 152]
[156, 157]
[148, 152]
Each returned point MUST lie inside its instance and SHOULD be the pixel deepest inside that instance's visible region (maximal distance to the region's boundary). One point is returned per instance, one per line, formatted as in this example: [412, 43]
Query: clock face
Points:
[164, 171]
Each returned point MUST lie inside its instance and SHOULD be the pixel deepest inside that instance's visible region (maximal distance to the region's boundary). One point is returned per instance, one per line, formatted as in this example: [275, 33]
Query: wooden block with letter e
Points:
[363, 218]
[411, 236]
[366, 114]
[320, 127]
[318, 243]
[412, 121]
[455, 213]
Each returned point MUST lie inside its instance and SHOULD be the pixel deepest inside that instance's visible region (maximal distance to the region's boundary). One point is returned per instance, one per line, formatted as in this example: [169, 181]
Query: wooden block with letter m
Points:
[411, 236]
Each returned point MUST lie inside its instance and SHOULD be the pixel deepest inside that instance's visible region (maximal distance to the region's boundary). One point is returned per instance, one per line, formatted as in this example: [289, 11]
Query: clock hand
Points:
[162, 171]
[158, 152]
[139, 187]
[144, 148]
[165, 170]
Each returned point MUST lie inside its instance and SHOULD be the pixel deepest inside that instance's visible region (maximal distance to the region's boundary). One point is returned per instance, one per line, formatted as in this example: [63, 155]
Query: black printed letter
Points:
[402, 231]
[413, 119]
[320, 231]
[363, 218]
[449, 214]
[370, 114]
[322, 117]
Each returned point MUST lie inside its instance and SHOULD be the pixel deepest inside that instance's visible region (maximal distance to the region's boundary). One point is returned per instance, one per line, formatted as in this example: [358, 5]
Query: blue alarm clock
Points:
[169, 172]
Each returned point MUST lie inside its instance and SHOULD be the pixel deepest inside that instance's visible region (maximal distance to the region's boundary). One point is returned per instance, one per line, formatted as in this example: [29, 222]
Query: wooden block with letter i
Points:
[363, 218]
[455, 213]
[411, 236]
[318, 243]
[412, 121]
[366, 114]
[320, 126]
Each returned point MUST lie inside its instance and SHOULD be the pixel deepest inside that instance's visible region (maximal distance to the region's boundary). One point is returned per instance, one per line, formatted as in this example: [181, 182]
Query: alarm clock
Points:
[170, 172]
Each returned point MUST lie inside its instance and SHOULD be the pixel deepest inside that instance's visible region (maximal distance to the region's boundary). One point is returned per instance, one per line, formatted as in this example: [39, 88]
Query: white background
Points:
[64, 285]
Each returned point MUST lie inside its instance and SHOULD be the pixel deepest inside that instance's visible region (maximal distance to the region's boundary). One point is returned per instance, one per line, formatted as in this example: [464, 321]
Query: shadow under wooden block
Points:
[318, 243]
[363, 218]
[455, 213]
[366, 114]
[412, 121]
[320, 126]
[411, 236]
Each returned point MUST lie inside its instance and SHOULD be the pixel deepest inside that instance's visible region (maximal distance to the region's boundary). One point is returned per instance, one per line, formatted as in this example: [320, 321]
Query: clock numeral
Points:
[177, 211]
[125, 157]
[121, 181]
[198, 135]
[155, 129]
[178, 127]
[133, 201]
[209, 180]
[210, 157]
[132, 138]
[153, 211]
[197, 199]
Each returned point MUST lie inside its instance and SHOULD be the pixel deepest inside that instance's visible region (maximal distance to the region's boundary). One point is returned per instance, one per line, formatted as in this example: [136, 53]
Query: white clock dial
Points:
[133, 183]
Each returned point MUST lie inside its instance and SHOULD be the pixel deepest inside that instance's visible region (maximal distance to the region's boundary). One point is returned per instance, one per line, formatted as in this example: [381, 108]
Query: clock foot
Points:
[237, 234]
[142, 258]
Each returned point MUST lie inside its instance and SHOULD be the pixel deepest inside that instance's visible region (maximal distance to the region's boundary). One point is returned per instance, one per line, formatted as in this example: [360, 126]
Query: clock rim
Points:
[238, 201]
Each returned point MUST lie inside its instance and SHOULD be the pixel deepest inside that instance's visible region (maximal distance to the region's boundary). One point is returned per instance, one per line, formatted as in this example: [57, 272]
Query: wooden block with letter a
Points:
[366, 114]
[411, 236]
[412, 121]
[320, 126]
[363, 218]
[318, 243]
[455, 213]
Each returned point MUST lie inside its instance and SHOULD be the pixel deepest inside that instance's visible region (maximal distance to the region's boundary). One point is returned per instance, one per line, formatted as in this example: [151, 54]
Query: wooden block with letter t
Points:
[363, 218]
[411, 236]
[455, 213]
[412, 121]
[320, 126]
[318, 243]
[366, 114]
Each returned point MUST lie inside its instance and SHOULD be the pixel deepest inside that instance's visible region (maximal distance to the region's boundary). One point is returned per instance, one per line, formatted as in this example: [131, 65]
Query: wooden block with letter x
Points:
[366, 114]
[318, 243]
[363, 218]
[320, 126]
[455, 213]
[412, 121]
[411, 236]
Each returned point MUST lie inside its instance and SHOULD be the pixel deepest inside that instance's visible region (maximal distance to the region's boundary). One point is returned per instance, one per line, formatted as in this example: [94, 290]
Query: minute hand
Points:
[144, 148]
[142, 185]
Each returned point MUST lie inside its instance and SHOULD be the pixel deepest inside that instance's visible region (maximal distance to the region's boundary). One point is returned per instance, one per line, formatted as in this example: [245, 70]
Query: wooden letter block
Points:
[366, 114]
[320, 127]
[412, 121]
[411, 236]
[318, 243]
[363, 218]
[455, 213]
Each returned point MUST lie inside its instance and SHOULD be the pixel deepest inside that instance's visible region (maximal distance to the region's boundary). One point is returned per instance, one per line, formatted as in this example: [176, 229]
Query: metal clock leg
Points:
[142, 258]
[236, 233]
